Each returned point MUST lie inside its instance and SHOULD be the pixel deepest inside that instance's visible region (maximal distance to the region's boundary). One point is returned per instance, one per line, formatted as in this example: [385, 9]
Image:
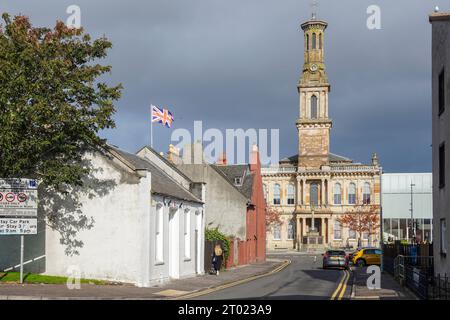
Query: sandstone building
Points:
[315, 182]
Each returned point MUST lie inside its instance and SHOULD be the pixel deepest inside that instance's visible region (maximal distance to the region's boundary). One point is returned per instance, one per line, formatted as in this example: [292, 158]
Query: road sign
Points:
[18, 203]
[18, 198]
[11, 226]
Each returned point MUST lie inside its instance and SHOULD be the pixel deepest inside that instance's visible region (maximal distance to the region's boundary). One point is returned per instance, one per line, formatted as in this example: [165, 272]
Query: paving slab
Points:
[390, 289]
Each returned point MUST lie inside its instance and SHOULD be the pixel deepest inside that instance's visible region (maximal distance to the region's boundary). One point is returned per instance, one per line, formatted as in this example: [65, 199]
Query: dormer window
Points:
[238, 181]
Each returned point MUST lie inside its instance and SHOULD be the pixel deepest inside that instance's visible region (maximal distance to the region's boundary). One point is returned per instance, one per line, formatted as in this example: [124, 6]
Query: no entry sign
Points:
[18, 198]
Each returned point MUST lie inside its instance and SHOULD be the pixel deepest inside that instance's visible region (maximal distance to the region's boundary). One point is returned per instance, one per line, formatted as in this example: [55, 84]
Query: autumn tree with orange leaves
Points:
[362, 219]
[272, 217]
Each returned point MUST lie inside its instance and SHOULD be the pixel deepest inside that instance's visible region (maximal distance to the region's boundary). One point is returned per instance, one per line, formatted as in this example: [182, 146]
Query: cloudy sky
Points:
[235, 64]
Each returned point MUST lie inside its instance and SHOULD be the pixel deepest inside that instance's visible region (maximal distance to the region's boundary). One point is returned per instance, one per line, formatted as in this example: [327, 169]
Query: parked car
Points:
[367, 256]
[335, 259]
[352, 254]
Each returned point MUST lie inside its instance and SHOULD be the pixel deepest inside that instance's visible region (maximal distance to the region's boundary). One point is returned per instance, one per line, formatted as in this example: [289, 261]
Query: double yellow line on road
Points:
[342, 287]
[233, 283]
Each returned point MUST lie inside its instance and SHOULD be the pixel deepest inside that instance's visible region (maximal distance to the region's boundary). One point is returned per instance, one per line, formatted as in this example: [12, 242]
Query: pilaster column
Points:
[303, 226]
[299, 191]
[322, 228]
[298, 232]
[322, 192]
[303, 191]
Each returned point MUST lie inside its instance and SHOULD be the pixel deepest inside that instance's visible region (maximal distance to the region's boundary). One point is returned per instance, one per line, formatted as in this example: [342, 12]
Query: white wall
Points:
[117, 247]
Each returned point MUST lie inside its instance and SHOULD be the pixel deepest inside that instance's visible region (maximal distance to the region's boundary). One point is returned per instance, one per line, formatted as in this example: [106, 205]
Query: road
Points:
[303, 279]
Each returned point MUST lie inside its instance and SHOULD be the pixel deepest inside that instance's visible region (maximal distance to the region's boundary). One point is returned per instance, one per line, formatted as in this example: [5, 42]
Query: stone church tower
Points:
[313, 124]
[314, 188]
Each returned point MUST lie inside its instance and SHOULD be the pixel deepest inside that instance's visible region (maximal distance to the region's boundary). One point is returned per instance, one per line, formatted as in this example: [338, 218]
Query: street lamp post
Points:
[413, 229]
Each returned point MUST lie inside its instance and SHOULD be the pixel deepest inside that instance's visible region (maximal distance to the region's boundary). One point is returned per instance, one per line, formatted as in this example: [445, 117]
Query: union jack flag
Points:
[162, 116]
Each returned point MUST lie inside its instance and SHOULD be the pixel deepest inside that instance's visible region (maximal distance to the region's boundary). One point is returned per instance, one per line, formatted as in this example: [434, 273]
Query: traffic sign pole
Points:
[21, 258]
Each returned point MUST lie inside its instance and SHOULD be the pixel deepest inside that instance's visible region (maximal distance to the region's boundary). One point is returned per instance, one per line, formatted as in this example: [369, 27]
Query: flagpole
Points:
[151, 127]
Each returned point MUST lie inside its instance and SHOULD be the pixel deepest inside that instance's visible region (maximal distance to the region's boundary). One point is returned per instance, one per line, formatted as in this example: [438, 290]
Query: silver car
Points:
[335, 259]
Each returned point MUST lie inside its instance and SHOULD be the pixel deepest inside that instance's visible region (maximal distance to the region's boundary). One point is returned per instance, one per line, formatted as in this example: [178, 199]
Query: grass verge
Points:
[44, 279]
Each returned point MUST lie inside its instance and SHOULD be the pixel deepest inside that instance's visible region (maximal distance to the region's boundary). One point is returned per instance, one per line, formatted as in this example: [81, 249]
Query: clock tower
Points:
[313, 124]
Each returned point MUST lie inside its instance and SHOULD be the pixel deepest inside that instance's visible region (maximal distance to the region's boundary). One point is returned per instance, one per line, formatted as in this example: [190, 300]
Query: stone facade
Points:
[316, 183]
[441, 140]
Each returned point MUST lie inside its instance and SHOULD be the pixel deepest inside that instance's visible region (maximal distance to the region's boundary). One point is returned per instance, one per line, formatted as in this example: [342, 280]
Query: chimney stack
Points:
[173, 155]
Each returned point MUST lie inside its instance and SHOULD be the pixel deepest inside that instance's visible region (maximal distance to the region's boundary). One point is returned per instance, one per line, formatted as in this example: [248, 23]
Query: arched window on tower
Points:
[307, 42]
[320, 41]
[313, 107]
[314, 41]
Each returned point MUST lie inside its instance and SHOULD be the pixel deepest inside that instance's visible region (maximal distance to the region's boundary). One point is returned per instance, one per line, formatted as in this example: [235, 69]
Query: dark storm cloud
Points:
[236, 63]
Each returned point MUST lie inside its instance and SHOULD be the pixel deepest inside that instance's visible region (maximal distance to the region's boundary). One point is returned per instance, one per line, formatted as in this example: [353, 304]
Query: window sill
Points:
[159, 263]
[187, 259]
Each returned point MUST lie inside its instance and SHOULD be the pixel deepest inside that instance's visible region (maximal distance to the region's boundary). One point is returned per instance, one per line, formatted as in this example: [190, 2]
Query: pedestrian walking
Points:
[217, 258]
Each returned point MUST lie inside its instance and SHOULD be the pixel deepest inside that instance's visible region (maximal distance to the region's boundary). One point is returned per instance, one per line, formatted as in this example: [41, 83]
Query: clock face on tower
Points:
[313, 67]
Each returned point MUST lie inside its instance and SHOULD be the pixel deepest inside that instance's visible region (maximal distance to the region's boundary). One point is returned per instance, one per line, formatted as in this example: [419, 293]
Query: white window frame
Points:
[187, 234]
[277, 187]
[290, 195]
[350, 235]
[278, 228]
[367, 191]
[159, 234]
[337, 223]
[337, 194]
[354, 193]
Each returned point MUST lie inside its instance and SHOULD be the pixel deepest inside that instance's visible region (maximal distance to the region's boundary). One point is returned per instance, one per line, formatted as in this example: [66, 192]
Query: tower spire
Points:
[314, 6]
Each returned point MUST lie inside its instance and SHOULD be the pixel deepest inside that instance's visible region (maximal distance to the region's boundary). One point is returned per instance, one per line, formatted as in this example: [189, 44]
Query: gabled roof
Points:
[161, 182]
[240, 170]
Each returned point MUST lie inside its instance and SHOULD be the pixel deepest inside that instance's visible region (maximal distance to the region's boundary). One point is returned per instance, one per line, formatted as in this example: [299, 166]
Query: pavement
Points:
[389, 288]
[176, 289]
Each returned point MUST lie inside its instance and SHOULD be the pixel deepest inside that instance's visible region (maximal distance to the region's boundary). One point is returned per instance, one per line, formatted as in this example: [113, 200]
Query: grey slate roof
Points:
[162, 183]
[333, 158]
[233, 171]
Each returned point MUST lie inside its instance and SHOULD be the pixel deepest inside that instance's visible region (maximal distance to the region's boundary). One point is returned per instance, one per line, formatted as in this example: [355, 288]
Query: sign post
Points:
[18, 210]
[21, 258]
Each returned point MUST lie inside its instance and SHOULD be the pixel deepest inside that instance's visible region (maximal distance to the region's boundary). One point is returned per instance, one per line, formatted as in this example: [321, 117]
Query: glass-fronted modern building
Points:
[398, 191]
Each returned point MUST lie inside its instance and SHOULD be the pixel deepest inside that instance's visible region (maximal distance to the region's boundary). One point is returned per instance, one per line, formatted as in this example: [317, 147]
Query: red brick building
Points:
[248, 179]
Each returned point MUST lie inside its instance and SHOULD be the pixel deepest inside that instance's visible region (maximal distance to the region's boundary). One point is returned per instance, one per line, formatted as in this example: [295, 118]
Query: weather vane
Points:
[314, 6]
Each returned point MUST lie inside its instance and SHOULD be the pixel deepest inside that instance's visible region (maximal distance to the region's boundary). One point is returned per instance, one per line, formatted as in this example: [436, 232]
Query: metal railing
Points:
[416, 273]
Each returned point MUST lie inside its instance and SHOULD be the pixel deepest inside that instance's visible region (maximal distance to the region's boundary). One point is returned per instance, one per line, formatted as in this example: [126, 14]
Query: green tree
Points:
[52, 104]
